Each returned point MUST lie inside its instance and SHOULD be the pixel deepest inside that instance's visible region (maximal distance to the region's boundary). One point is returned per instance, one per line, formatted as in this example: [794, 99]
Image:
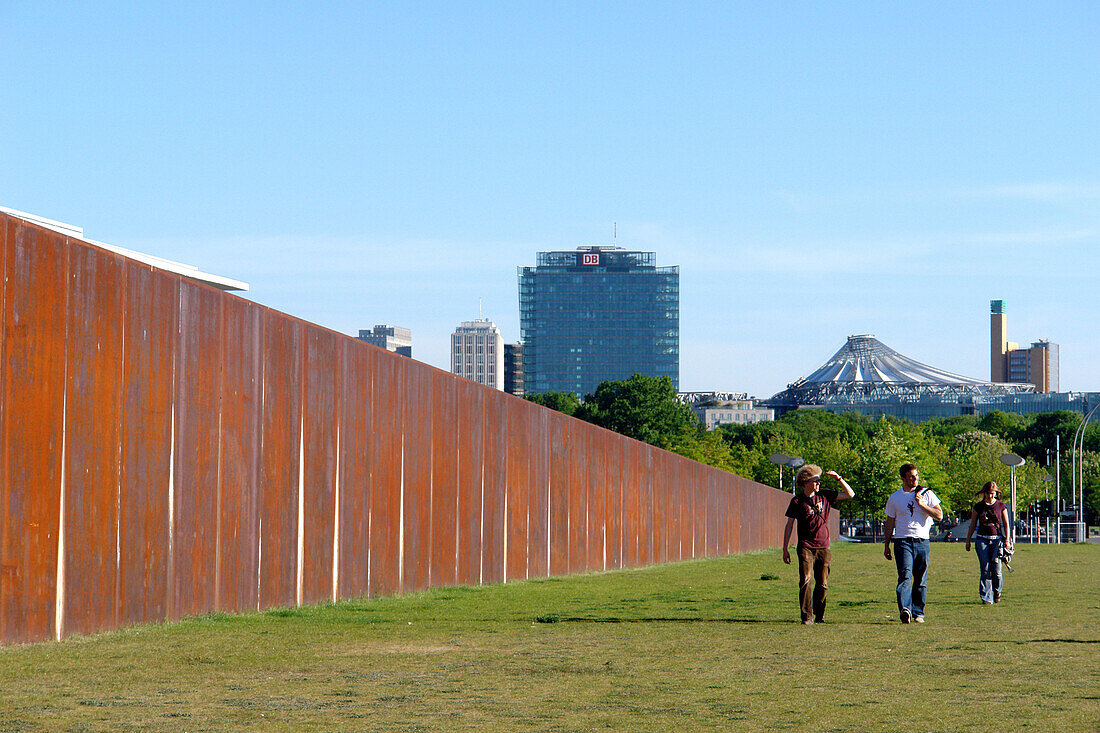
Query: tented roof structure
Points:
[865, 369]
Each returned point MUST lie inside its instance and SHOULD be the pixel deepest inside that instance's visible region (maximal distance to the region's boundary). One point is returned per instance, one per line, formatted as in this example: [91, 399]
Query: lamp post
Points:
[782, 459]
[1077, 453]
[779, 459]
[1046, 492]
[1012, 460]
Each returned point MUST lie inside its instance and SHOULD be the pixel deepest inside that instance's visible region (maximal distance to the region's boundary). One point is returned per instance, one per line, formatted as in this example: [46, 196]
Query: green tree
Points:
[566, 402]
[877, 469]
[644, 408]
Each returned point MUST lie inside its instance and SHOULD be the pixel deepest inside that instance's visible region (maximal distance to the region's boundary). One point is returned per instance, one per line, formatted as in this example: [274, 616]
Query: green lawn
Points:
[705, 645]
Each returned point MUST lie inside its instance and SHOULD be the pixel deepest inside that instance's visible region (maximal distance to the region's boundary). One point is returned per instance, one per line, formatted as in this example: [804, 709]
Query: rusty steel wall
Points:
[167, 449]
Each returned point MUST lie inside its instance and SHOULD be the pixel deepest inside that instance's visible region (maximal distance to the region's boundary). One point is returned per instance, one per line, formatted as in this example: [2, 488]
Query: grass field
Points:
[704, 645]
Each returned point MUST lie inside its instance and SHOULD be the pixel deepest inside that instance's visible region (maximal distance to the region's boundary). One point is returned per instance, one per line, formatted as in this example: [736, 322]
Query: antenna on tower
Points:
[615, 232]
[480, 315]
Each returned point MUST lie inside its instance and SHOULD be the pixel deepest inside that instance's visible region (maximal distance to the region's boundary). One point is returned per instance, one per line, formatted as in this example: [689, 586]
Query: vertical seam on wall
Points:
[122, 361]
[300, 581]
[223, 355]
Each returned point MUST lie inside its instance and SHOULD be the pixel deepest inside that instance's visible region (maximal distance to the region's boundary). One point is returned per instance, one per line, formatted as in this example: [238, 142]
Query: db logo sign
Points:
[592, 258]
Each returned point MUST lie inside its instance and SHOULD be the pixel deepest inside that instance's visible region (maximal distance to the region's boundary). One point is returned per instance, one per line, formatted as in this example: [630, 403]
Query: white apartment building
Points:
[477, 353]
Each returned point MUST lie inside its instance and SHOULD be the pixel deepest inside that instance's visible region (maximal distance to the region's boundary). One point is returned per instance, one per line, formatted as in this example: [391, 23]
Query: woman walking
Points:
[990, 518]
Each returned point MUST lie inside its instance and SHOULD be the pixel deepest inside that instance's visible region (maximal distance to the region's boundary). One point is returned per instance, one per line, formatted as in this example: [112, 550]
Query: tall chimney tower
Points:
[998, 342]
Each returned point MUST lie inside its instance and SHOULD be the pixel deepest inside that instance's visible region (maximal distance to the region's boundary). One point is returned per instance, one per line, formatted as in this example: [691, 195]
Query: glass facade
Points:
[598, 314]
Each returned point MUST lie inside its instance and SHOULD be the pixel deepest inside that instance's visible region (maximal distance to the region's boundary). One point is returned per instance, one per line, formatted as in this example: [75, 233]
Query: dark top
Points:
[812, 516]
[989, 518]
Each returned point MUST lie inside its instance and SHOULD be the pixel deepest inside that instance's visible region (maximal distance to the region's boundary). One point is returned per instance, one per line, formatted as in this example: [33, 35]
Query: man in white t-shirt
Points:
[910, 512]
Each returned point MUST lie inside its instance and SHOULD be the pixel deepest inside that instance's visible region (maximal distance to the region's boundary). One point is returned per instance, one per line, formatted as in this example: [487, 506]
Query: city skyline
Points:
[815, 172]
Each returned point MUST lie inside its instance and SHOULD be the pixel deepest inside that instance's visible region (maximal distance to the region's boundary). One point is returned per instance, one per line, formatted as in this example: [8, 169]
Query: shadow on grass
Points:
[550, 619]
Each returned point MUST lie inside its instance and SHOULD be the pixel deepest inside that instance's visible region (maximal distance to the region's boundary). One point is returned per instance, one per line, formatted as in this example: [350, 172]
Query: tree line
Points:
[955, 455]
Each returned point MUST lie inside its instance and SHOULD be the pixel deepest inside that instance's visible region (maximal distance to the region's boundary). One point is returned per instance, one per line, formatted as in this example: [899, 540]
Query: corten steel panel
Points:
[239, 462]
[151, 321]
[631, 473]
[444, 516]
[674, 484]
[645, 545]
[721, 546]
[93, 410]
[192, 578]
[538, 511]
[658, 481]
[713, 512]
[386, 438]
[615, 506]
[32, 394]
[733, 488]
[197, 388]
[280, 461]
[520, 435]
[560, 427]
[322, 381]
[495, 463]
[576, 457]
[355, 430]
[603, 443]
[419, 405]
[684, 511]
[471, 428]
[702, 510]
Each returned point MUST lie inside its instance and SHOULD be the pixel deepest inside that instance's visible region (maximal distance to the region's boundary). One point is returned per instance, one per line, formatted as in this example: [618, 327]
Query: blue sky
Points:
[815, 169]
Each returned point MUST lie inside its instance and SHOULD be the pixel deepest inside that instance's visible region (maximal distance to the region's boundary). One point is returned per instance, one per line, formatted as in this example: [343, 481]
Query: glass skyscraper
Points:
[595, 314]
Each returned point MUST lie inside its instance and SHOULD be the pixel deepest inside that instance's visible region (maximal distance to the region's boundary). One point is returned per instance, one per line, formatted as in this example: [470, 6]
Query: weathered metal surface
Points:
[386, 443]
[517, 499]
[417, 478]
[444, 421]
[243, 459]
[146, 443]
[354, 490]
[32, 399]
[560, 426]
[280, 461]
[239, 455]
[538, 511]
[469, 452]
[194, 530]
[320, 434]
[93, 398]
[495, 471]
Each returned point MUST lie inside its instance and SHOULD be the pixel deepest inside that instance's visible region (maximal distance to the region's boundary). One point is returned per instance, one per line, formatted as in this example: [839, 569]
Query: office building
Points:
[1036, 365]
[721, 408]
[513, 369]
[390, 338]
[596, 314]
[477, 353]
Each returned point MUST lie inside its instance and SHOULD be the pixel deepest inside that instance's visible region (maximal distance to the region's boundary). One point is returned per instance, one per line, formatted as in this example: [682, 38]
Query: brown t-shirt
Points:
[812, 516]
[989, 518]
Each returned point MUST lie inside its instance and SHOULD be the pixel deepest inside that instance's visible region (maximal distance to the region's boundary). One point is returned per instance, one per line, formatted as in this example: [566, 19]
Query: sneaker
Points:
[808, 622]
[905, 615]
[819, 619]
[987, 603]
[918, 619]
[997, 598]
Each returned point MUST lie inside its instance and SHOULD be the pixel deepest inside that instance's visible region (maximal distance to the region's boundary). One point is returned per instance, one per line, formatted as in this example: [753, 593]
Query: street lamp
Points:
[1012, 460]
[1078, 468]
[782, 459]
[779, 459]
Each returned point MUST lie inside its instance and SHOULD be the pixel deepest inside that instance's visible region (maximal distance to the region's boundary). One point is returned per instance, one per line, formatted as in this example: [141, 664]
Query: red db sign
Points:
[591, 258]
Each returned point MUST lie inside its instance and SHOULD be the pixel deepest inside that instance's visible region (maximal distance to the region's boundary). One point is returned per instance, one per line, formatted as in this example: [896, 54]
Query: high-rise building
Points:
[596, 314]
[513, 369]
[390, 338]
[477, 353]
[1037, 364]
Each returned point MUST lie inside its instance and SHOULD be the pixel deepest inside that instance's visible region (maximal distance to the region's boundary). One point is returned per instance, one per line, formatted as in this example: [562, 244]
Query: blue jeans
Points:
[911, 557]
[989, 565]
